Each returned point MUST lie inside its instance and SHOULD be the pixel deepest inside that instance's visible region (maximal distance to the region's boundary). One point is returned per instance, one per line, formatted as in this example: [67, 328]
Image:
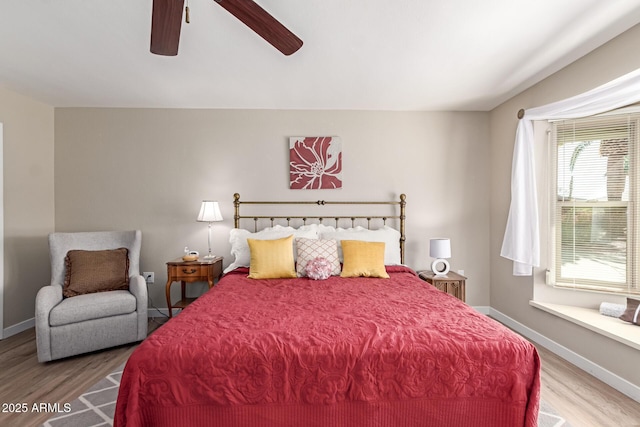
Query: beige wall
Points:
[511, 295]
[28, 202]
[150, 168]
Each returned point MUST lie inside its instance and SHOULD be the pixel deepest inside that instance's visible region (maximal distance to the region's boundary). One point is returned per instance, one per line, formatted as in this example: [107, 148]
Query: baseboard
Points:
[155, 312]
[484, 309]
[18, 327]
[607, 377]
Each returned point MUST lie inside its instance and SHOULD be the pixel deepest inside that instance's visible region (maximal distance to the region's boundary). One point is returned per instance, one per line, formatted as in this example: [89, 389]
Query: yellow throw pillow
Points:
[363, 259]
[271, 259]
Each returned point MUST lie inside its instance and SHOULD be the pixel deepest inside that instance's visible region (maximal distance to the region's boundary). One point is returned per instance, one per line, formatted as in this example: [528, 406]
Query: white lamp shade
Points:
[209, 211]
[440, 248]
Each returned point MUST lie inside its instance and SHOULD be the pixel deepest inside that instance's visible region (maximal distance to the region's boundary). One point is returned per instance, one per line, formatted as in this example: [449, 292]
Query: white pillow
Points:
[318, 228]
[386, 234]
[240, 248]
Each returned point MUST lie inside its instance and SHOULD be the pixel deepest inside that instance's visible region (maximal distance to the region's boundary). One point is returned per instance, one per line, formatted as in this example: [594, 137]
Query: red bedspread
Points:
[338, 352]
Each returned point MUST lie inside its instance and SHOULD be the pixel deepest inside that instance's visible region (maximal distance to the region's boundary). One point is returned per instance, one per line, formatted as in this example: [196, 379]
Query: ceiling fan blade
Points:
[263, 24]
[166, 21]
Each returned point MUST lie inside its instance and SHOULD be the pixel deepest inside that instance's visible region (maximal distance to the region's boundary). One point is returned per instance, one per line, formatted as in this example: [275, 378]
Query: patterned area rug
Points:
[548, 417]
[97, 406]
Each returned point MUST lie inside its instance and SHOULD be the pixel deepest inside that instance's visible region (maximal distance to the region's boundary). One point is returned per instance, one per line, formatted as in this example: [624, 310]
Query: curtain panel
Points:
[521, 242]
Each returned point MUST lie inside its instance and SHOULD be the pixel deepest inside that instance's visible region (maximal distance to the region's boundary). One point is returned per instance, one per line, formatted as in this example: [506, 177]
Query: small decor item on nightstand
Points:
[209, 212]
[440, 249]
[191, 256]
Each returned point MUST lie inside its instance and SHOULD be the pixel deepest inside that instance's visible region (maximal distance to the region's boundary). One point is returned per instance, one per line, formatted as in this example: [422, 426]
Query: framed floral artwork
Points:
[315, 162]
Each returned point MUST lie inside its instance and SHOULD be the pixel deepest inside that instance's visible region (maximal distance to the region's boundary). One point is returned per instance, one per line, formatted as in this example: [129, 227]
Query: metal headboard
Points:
[320, 218]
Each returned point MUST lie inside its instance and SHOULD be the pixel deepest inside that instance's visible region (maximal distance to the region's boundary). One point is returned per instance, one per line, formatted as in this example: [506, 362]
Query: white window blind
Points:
[596, 203]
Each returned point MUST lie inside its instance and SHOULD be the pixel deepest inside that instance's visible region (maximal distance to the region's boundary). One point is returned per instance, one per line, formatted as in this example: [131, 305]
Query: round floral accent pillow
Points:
[319, 268]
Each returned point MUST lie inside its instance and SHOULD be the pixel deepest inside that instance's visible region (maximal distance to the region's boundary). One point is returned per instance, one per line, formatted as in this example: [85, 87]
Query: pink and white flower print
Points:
[315, 162]
[319, 269]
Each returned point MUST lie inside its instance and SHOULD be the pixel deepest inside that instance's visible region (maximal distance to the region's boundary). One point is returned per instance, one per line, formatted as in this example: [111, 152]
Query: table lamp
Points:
[440, 249]
[209, 212]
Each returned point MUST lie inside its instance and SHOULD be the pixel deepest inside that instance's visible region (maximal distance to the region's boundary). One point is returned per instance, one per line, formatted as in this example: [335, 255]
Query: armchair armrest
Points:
[138, 288]
[47, 298]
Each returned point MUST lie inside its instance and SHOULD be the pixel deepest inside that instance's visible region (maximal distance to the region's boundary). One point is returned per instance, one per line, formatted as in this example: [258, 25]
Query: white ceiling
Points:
[357, 54]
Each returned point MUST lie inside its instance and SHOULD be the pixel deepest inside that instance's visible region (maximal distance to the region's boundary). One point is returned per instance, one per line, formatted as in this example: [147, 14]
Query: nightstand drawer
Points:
[453, 288]
[447, 284]
[189, 272]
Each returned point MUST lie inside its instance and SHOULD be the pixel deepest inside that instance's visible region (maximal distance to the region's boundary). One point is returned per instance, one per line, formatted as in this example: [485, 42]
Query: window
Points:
[595, 203]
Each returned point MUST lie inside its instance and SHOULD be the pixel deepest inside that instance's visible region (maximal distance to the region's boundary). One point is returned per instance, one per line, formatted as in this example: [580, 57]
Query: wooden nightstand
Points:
[452, 283]
[205, 270]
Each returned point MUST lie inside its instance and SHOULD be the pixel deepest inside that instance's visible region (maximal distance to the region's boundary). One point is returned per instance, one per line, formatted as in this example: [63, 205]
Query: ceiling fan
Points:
[166, 21]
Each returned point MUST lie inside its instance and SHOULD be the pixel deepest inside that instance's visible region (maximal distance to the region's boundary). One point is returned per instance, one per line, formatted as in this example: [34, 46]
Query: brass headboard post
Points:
[401, 217]
[403, 205]
[236, 215]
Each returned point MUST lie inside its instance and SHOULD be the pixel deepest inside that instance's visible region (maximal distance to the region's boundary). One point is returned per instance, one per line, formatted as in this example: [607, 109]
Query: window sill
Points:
[591, 319]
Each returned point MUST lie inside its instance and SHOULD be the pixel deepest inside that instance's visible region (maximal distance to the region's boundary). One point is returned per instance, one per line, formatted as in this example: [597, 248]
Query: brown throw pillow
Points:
[96, 271]
[632, 313]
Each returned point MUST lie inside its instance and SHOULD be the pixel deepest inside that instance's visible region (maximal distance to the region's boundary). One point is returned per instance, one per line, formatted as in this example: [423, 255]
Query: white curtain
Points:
[521, 242]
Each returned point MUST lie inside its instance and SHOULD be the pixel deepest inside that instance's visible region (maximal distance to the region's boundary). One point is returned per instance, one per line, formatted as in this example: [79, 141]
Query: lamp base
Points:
[440, 270]
[209, 256]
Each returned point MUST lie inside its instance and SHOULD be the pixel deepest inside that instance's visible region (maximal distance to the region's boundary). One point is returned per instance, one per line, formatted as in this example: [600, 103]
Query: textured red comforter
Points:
[338, 352]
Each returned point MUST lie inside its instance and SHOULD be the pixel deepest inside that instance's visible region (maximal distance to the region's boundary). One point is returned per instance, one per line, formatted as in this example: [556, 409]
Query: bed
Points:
[343, 351]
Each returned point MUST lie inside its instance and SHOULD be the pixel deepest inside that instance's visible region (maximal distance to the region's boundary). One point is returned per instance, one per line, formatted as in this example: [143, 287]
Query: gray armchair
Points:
[85, 323]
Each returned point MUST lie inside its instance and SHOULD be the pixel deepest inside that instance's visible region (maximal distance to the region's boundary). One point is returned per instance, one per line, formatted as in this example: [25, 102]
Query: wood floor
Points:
[24, 380]
[579, 397]
[582, 399]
